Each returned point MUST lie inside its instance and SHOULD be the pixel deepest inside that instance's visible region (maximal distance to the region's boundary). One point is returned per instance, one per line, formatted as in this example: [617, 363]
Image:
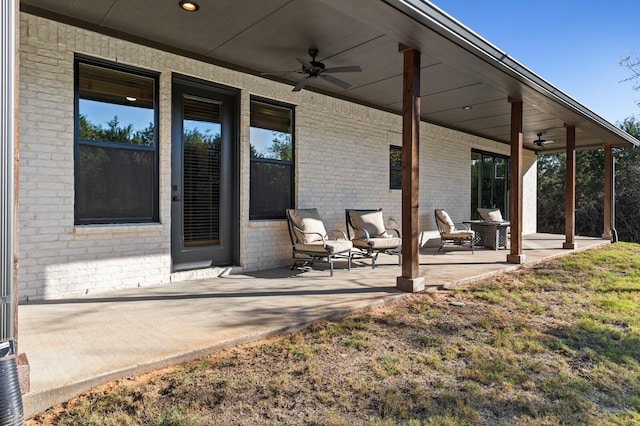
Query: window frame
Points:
[487, 154]
[77, 142]
[292, 180]
[393, 168]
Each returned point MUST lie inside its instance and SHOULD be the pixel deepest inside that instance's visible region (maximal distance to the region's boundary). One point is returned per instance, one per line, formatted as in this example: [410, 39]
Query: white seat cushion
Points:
[379, 243]
[332, 246]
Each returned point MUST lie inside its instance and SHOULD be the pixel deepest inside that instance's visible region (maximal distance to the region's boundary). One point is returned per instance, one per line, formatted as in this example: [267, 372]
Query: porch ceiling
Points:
[458, 67]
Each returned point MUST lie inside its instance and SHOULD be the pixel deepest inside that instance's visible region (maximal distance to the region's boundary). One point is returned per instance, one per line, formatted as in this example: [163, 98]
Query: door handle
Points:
[175, 198]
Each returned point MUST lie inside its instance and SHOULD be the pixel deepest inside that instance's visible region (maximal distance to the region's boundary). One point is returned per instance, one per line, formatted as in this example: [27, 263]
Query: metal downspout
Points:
[7, 140]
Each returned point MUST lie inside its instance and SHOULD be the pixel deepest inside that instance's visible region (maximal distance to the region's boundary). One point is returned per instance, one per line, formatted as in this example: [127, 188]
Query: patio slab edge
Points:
[460, 283]
[37, 402]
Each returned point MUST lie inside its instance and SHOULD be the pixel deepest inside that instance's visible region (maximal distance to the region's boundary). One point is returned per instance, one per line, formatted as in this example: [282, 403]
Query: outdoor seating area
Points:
[366, 237]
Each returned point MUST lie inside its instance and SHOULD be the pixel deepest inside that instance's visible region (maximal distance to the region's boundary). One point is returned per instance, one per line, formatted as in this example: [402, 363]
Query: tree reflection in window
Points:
[271, 153]
[116, 161]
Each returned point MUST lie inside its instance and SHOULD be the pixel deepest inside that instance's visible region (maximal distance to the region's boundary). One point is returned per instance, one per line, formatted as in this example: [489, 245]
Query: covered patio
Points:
[428, 85]
[149, 328]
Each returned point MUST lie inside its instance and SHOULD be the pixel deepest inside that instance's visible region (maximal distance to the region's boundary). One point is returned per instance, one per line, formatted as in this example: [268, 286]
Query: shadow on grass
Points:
[600, 341]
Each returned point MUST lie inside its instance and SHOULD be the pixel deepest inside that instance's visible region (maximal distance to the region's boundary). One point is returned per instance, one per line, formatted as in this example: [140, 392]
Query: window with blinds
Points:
[201, 171]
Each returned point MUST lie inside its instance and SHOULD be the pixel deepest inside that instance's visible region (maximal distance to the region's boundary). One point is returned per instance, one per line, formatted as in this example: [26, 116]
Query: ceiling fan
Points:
[541, 142]
[315, 69]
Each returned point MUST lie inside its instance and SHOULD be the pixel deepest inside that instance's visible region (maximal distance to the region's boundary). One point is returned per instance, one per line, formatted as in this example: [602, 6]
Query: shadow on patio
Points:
[75, 344]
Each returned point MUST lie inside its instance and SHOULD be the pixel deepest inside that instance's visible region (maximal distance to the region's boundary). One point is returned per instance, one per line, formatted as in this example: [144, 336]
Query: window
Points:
[116, 144]
[395, 167]
[271, 152]
[489, 182]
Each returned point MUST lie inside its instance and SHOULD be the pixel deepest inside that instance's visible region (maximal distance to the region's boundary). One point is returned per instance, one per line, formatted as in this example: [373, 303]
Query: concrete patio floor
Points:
[75, 344]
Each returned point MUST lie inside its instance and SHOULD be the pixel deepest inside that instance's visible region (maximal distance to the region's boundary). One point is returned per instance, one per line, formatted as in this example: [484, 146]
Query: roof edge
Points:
[446, 25]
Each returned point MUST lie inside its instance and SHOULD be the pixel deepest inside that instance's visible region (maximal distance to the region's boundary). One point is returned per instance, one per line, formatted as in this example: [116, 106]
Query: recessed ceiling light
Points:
[189, 6]
[131, 98]
[467, 107]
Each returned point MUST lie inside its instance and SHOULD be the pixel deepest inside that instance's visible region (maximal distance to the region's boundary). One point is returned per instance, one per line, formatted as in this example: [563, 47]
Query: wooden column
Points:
[608, 192]
[410, 281]
[515, 188]
[570, 190]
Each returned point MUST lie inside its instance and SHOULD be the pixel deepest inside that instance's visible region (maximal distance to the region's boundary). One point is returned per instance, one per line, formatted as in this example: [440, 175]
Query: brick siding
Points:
[342, 161]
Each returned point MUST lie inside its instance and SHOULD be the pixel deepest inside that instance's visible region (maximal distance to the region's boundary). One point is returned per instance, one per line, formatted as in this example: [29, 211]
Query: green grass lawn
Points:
[557, 343]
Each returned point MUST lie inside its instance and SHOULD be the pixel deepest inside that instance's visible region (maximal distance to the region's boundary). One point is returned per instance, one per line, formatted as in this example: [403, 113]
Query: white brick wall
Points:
[342, 161]
[529, 195]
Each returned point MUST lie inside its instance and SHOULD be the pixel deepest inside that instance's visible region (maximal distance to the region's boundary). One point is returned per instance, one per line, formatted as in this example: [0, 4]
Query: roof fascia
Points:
[444, 24]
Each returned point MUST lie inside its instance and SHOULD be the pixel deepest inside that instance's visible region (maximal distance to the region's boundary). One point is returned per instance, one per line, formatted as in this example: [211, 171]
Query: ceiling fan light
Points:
[189, 6]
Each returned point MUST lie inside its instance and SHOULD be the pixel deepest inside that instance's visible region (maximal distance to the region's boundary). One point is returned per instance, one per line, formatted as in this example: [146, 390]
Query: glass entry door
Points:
[203, 171]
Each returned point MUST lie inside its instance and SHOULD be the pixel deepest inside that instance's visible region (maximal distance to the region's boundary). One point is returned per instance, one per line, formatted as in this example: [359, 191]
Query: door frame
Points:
[232, 104]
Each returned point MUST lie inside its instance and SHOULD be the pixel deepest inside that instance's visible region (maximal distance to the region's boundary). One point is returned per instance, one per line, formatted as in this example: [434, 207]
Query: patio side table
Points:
[492, 235]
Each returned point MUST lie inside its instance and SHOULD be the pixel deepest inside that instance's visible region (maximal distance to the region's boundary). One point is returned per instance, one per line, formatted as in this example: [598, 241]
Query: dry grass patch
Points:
[552, 344]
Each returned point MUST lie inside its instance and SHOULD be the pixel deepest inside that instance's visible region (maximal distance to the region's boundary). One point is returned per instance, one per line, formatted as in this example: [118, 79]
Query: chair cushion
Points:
[379, 243]
[371, 221]
[446, 223]
[332, 246]
[458, 234]
[309, 221]
[490, 215]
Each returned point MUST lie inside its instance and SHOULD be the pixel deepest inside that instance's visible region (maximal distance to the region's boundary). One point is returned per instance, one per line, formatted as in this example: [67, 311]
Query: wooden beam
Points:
[570, 190]
[608, 192]
[410, 281]
[515, 188]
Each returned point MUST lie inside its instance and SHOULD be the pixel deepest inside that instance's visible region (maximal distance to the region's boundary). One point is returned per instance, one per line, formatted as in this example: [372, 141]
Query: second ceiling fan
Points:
[542, 142]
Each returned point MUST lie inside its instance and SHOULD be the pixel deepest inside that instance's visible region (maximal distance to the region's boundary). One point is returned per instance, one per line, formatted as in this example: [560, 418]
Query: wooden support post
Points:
[608, 192]
[570, 190]
[410, 281]
[515, 189]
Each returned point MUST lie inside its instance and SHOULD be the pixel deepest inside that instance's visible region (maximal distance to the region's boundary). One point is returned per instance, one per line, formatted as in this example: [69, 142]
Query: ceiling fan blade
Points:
[305, 64]
[281, 73]
[352, 68]
[300, 84]
[341, 84]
